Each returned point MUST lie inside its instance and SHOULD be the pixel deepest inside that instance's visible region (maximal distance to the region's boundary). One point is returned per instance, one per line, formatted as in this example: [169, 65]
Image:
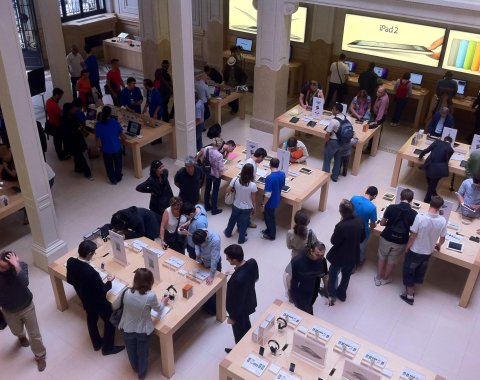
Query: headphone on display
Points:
[282, 323]
[274, 346]
[171, 295]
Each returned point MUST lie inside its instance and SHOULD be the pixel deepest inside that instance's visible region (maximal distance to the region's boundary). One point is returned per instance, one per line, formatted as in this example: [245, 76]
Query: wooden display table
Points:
[231, 367]
[283, 121]
[468, 259]
[406, 152]
[302, 186]
[182, 308]
[129, 56]
[223, 100]
[418, 94]
[15, 200]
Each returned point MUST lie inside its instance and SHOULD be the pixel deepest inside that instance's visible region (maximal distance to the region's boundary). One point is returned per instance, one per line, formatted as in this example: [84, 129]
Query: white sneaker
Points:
[385, 282]
[377, 280]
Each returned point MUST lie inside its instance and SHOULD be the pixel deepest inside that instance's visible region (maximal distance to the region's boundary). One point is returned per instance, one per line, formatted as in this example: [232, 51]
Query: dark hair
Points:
[476, 180]
[199, 237]
[206, 69]
[214, 131]
[436, 202]
[292, 142]
[67, 107]
[154, 166]
[118, 221]
[342, 56]
[84, 71]
[371, 66]
[57, 92]
[114, 61]
[246, 175]
[88, 49]
[406, 195]
[406, 76]
[188, 208]
[362, 94]
[131, 80]
[77, 103]
[372, 191]
[318, 245]
[346, 209]
[234, 252]
[231, 142]
[260, 152]
[301, 220]
[274, 163]
[143, 280]
[106, 112]
[448, 74]
[165, 62]
[3, 255]
[86, 247]
[339, 107]
[176, 201]
[448, 139]
[148, 82]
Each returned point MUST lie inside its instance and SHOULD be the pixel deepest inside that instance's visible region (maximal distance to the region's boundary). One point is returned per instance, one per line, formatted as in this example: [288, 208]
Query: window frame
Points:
[82, 14]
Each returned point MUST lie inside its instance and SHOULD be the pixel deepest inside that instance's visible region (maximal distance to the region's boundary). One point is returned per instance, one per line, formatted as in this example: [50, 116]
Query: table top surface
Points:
[137, 45]
[224, 98]
[390, 84]
[15, 200]
[182, 308]
[319, 129]
[471, 252]
[407, 152]
[301, 186]
[303, 369]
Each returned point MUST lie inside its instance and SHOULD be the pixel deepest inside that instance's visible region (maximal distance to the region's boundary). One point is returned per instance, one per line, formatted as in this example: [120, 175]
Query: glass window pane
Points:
[89, 5]
[72, 7]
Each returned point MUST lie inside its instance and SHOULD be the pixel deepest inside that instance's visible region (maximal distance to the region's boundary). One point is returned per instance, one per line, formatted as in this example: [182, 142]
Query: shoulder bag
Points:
[116, 315]
[230, 196]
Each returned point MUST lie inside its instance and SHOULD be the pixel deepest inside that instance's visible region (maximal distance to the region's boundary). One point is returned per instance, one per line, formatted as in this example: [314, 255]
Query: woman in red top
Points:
[84, 88]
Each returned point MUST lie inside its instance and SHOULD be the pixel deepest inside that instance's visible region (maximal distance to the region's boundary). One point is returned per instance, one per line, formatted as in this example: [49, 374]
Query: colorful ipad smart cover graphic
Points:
[463, 52]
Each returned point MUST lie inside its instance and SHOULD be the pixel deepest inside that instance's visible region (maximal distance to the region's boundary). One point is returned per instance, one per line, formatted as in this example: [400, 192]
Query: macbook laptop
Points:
[133, 129]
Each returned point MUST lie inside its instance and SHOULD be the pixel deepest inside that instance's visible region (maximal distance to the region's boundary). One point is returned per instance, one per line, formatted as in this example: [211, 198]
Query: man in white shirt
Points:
[255, 159]
[426, 234]
[338, 80]
[332, 144]
[201, 88]
[75, 66]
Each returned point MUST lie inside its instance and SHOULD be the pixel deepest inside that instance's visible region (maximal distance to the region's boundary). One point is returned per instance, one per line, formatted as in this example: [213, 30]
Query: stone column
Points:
[181, 32]
[214, 34]
[153, 16]
[49, 13]
[22, 131]
[271, 65]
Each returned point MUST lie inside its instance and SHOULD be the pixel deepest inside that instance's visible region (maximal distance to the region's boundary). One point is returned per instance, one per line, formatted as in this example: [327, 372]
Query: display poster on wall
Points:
[462, 53]
[391, 39]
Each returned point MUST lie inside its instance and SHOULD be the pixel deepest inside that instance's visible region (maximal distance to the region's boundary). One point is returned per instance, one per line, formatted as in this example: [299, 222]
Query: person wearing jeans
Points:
[244, 204]
[333, 145]
[346, 238]
[273, 188]
[136, 323]
[199, 121]
[109, 133]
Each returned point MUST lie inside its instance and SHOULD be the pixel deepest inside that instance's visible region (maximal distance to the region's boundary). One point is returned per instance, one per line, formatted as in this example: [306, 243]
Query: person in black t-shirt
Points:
[397, 219]
[368, 81]
[189, 180]
[213, 74]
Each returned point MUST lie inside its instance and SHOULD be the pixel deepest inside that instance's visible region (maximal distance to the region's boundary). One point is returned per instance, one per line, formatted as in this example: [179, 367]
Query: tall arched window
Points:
[27, 29]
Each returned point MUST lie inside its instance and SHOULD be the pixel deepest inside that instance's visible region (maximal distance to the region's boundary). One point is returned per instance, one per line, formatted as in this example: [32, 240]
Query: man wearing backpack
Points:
[403, 90]
[339, 131]
[397, 219]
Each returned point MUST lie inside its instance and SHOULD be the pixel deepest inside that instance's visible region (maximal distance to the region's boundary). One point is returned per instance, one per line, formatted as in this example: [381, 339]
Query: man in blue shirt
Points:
[207, 249]
[91, 64]
[131, 96]
[365, 209]
[469, 197]
[154, 100]
[271, 199]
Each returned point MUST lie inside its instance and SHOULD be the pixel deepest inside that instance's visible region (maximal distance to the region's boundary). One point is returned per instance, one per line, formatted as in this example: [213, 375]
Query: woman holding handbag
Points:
[136, 323]
[169, 228]
[244, 203]
[158, 186]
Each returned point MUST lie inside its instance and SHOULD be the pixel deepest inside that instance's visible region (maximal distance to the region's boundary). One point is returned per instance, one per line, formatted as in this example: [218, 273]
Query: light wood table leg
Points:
[59, 293]
[295, 207]
[166, 351]
[322, 206]
[357, 159]
[221, 296]
[242, 107]
[218, 112]
[223, 371]
[276, 136]
[396, 171]
[469, 285]
[137, 161]
[418, 114]
[376, 142]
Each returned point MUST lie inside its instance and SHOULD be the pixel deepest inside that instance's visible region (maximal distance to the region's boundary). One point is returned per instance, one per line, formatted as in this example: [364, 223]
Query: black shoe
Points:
[113, 351]
[227, 350]
[344, 172]
[97, 348]
[266, 237]
[217, 211]
[406, 299]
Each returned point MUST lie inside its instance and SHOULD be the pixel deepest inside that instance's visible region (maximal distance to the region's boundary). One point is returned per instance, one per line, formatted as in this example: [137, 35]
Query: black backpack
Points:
[399, 229]
[345, 131]
[205, 164]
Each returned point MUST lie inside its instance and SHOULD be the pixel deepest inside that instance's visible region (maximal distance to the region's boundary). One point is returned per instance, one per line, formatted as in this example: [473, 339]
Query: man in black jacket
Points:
[346, 239]
[135, 222]
[93, 293]
[241, 296]
[368, 81]
[436, 165]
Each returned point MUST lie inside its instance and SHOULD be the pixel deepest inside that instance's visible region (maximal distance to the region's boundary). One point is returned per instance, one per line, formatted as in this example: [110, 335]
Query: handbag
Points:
[230, 196]
[49, 129]
[116, 315]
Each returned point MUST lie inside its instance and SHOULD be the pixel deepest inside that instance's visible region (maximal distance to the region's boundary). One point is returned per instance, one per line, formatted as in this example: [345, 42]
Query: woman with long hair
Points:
[109, 135]
[136, 323]
[172, 220]
[360, 107]
[158, 186]
[244, 204]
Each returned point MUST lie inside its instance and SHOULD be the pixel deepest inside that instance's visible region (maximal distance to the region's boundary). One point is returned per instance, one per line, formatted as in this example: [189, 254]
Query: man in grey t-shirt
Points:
[332, 144]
